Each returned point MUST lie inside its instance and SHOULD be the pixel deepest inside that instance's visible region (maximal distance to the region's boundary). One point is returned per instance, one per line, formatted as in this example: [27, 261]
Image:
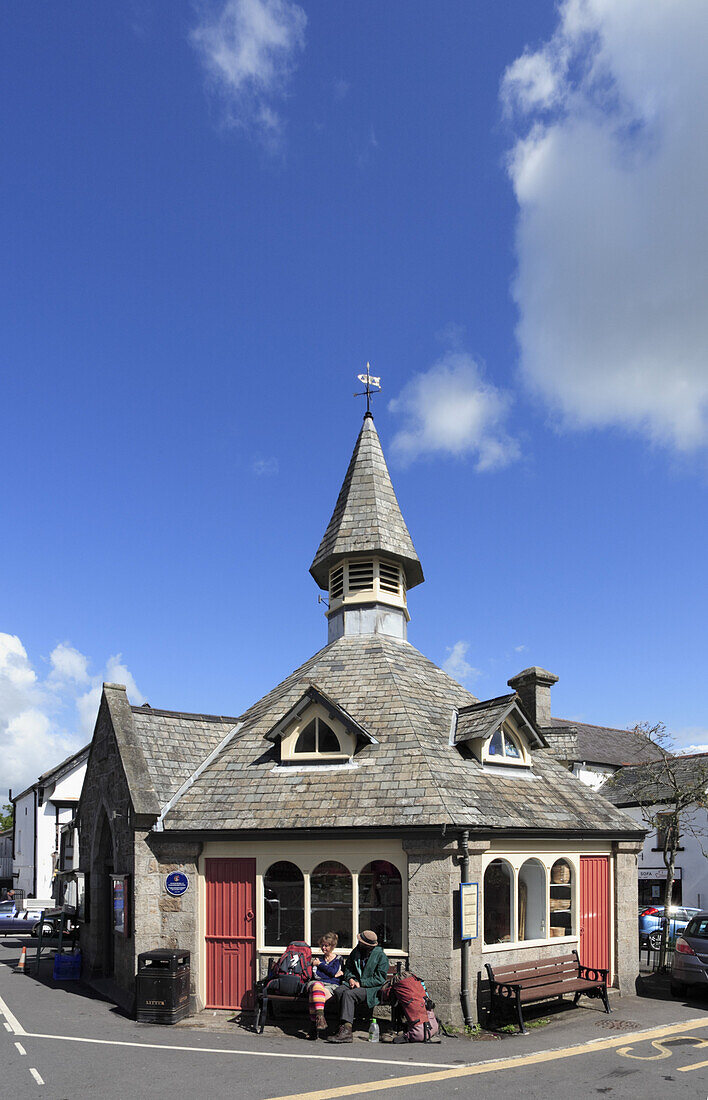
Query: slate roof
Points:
[412, 776]
[647, 783]
[366, 517]
[481, 719]
[175, 744]
[582, 742]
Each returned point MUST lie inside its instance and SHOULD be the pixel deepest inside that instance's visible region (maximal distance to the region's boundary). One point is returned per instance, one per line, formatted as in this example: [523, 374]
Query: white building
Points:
[691, 868]
[40, 812]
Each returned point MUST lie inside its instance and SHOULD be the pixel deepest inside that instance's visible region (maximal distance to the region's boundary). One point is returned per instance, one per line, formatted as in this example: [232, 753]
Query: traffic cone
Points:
[20, 968]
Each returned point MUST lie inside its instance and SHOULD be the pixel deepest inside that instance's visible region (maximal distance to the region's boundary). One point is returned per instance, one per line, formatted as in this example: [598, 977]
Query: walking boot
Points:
[320, 1022]
[344, 1035]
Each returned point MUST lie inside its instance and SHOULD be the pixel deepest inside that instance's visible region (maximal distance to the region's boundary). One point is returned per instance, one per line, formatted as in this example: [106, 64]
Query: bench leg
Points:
[576, 998]
[522, 1026]
[605, 999]
[262, 1016]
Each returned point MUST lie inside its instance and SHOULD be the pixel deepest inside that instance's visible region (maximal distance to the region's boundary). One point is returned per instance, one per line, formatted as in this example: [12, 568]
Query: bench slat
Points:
[541, 964]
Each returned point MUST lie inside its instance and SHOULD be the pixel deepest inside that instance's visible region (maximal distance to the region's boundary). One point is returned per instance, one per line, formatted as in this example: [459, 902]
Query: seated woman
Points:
[327, 975]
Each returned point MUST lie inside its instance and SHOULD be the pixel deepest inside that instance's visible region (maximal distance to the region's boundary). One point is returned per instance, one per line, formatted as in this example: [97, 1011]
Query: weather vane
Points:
[369, 381]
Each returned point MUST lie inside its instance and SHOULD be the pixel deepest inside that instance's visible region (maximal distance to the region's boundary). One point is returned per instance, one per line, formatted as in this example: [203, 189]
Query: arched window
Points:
[503, 746]
[331, 902]
[381, 902]
[561, 898]
[498, 902]
[317, 737]
[532, 901]
[283, 904]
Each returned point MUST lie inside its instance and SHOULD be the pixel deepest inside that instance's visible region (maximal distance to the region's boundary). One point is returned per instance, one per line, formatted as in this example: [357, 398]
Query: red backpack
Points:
[293, 969]
[410, 995]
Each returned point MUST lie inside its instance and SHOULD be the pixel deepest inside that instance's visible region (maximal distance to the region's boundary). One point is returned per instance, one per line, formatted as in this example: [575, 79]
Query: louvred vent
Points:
[361, 576]
[389, 577]
[336, 583]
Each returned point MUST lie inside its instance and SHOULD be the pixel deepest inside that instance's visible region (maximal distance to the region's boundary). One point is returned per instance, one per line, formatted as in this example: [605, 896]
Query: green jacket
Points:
[369, 969]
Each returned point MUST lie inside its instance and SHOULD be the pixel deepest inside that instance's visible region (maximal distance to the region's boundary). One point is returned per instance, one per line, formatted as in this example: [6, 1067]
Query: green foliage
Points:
[6, 816]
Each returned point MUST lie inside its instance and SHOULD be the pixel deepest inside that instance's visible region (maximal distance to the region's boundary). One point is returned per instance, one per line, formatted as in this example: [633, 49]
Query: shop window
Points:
[561, 899]
[283, 904]
[381, 902]
[532, 901]
[331, 902]
[498, 902]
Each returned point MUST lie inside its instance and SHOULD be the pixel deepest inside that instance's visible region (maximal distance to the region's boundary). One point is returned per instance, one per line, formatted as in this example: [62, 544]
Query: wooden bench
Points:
[512, 987]
[264, 998]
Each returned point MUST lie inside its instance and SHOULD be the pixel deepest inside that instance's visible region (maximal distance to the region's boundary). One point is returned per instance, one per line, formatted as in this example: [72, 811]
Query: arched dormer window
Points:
[317, 737]
[505, 747]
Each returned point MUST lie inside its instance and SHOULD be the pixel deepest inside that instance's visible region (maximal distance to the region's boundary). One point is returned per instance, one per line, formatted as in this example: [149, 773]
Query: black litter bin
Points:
[162, 992]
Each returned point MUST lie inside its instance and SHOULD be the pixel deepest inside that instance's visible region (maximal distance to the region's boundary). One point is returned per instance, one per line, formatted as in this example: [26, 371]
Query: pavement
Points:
[63, 1040]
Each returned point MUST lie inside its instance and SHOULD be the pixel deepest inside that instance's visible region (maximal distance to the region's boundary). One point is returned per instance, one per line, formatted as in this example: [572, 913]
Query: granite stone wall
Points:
[433, 932]
[164, 921]
[626, 936]
[106, 845]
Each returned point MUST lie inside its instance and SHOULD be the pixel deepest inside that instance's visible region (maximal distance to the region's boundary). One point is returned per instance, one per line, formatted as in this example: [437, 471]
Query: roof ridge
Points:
[442, 794]
[182, 714]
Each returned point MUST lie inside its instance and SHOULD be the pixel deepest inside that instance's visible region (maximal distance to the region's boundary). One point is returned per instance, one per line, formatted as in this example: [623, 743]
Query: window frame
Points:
[347, 740]
[523, 760]
[516, 861]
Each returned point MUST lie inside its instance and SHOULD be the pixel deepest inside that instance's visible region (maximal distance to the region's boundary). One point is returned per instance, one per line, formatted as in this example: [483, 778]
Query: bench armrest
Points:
[593, 974]
[505, 989]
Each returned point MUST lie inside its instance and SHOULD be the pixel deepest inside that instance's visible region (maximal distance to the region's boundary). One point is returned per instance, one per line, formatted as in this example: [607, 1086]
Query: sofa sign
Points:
[176, 884]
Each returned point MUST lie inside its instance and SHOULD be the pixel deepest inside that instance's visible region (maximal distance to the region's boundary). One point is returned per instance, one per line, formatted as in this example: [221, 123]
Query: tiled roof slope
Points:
[366, 517]
[477, 719]
[413, 776]
[599, 744]
[648, 783]
[175, 744]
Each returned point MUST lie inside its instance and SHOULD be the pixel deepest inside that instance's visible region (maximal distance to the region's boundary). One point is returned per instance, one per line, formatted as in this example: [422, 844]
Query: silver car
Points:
[690, 962]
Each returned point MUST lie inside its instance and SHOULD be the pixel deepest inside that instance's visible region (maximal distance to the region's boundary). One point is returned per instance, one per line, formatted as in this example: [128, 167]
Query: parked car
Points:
[651, 921]
[18, 922]
[689, 966]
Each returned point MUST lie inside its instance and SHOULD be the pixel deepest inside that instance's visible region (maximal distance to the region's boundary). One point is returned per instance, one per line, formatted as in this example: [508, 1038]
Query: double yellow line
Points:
[502, 1063]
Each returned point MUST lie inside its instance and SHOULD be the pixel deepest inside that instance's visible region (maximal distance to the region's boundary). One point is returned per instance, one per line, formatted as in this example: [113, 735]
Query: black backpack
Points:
[292, 971]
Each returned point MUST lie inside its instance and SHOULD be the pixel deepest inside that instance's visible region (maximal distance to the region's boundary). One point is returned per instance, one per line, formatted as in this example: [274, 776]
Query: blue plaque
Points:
[176, 884]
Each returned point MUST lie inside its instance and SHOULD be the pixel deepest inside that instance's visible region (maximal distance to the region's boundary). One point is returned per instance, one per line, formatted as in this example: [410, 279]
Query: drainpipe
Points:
[465, 991]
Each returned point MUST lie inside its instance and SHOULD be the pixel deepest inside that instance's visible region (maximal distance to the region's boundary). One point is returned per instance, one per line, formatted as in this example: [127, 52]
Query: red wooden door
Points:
[230, 932]
[594, 911]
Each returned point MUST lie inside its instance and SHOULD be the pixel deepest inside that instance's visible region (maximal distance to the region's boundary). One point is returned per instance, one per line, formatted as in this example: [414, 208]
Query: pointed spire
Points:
[366, 518]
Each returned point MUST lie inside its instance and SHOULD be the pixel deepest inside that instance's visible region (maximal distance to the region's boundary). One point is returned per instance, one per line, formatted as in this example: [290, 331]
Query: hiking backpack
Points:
[410, 996]
[293, 970]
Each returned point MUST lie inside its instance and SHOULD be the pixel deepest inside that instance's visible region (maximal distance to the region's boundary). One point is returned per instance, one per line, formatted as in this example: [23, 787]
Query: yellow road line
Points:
[696, 1065]
[498, 1064]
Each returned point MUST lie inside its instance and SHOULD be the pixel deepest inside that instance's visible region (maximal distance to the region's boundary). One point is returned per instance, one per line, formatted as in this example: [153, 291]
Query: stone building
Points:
[359, 792]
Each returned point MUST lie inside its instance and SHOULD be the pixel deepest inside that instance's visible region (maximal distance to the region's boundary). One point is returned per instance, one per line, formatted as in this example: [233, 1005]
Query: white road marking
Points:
[14, 1023]
[247, 1053]
[20, 1048]
[6, 1025]
[38, 1079]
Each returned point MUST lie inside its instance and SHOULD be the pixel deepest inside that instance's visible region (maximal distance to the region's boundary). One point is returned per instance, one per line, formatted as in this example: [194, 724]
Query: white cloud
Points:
[690, 750]
[450, 409]
[457, 665]
[248, 49]
[45, 719]
[610, 170]
[265, 467]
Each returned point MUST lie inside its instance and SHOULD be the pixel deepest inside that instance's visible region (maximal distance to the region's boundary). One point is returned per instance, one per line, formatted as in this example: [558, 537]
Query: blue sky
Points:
[212, 217]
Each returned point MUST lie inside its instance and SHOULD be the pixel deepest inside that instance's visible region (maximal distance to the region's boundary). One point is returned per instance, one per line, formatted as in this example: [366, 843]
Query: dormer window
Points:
[504, 747]
[317, 737]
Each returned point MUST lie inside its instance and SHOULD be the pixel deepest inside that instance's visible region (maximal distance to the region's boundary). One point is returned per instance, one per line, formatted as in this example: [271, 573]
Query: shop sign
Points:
[652, 873]
[469, 915]
[176, 884]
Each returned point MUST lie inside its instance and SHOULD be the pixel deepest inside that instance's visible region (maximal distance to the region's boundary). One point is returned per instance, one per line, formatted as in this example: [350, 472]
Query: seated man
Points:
[364, 973]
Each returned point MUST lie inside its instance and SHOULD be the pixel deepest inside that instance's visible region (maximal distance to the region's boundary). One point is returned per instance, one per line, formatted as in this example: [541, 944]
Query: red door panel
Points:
[594, 911]
[230, 932]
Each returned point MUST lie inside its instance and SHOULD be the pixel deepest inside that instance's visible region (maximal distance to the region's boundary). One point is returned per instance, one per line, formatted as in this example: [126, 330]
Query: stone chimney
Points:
[533, 687]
